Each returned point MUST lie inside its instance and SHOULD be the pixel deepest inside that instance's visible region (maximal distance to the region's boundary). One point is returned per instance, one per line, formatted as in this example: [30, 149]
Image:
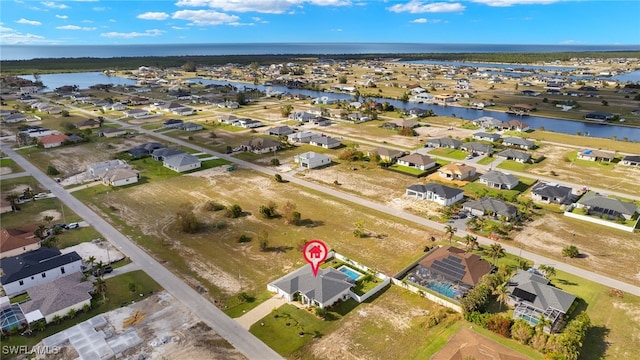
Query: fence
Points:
[599, 221]
[427, 295]
[360, 298]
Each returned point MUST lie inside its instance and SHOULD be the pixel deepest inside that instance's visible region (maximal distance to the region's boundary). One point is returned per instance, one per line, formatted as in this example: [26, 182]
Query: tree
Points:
[12, 198]
[342, 79]
[91, 260]
[471, 242]
[241, 98]
[275, 162]
[48, 219]
[65, 113]
[234, 211]
[450, 230]
[186, 219]
[263, 238]
[100, 287]
[548, 270]
[521, 331]
[268, 211]
[496, 251]
[40, 232]
[570, 251]
[285, 110]
[278, 178]
[51, 170]
[502, 293]
[289, 212]
[190, 66]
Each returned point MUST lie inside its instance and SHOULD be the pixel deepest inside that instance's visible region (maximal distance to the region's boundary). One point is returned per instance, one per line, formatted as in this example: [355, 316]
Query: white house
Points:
[324, 142]
[311, 160]
[435, 192]
[37, 267]
[120, 177]
[97, 170]
[418, 161]
[182, 162]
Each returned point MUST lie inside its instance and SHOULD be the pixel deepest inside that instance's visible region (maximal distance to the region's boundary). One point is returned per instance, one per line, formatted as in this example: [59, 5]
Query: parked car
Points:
[73, 225]
[41, 196]
[105, 270]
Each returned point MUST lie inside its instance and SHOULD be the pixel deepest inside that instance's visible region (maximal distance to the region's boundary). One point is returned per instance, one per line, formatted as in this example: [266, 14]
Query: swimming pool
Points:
[443, 289]
[352, 274]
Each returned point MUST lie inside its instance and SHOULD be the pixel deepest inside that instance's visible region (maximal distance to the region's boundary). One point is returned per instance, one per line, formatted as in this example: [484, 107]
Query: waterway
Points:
[86, 79]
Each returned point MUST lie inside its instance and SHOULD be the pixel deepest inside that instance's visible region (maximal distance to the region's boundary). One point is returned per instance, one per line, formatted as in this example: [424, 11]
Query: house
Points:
[455, 270]
[19, 240]
[611, 208]
[487, 122]
[490, 206]
[532, 296]
[324, 142]
[13, 118]
[456, 171]
[477, 148]
[88, 124]
[401, 124]
[631, 160]
[599, 116]
[323, 290]
[37, 267]
[51, 141]
[228, 119]
[595, 155]
[191, 126]
[417, 161]
[551, 193]
[144, 149]
[302, 116]
[301, 137]
[516, 155]
[521, 109]
[58, 297]
[115, 107]
[279, 131]
[386, 155]
[97, 170]
[162, 153]
[261, 145]
[515, 125]
[518, 142]
[248, 123]
[435, 192]
[499, 180]
[136, 113]
[486, 136]
[182, 162]
[529, 93]
[443, 143]
[113, 132]
[311, 160]
[120, 177]
[172, 124]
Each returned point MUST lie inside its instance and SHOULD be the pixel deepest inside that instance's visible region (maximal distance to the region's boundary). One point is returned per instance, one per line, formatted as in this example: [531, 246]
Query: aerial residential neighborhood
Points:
[146, 219]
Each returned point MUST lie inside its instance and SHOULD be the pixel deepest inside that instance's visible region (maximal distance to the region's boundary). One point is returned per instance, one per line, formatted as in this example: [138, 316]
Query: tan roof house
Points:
[417, 161]
[456, 171]
[386, 155]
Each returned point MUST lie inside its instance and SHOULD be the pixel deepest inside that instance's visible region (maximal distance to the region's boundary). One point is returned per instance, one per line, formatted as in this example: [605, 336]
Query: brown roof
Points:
[474, 265]
[390, 153]
[456, 168]
[53, 139]
[15, 238]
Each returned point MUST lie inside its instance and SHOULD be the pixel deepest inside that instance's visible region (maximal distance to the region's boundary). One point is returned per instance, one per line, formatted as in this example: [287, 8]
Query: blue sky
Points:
[96, 22]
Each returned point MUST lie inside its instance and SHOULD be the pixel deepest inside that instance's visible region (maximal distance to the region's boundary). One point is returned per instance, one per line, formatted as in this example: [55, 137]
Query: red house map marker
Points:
[315, 252]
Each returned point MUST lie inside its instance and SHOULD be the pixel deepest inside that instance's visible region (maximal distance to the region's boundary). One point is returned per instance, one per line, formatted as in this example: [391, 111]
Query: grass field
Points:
[450, 153]
[512, 165]
[8, 163]
[486, 160]
[407, 169]
[477, 190]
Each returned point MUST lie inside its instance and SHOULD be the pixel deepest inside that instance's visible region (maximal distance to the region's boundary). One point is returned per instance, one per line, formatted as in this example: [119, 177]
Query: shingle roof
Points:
[34, 262]
[456, 168]
[479, 147]
[18, 237]
[597, 153]
[177, 161]
[496, 206]
[631, 158]
[487, 135]
[551, 190]
[438, 189]
[593, 199]
[445, 142]
[498, 177]
[58, 294]
[390, 153]
[517, 141]
[329, 283]
[324, 140]
[545, 295]
[418, 159]
[516, 154]
[475, 266]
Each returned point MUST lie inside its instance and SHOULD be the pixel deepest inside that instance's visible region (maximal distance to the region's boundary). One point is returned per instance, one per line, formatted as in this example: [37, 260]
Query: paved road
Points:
[226, 327]
[14, 175]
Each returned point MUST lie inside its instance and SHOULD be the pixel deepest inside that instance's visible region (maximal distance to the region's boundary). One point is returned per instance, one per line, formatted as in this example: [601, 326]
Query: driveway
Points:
[260, 311]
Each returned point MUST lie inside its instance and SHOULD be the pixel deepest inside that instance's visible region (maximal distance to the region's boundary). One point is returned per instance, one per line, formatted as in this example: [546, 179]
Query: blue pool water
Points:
[352, 274]
[443, 289]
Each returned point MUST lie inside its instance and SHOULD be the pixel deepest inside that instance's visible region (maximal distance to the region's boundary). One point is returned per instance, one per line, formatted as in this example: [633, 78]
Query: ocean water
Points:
[26, 52]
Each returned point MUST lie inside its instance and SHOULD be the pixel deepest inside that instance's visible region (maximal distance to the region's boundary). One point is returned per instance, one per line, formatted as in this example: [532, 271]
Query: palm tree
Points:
[471, 242]
[526, 206]
[100, 287]
[543, 322]
[12, 198]
[48, 219]
[496, 251]
[40, 231]
[502, 292]
[91, 260]
[548, 270]
[450, 230]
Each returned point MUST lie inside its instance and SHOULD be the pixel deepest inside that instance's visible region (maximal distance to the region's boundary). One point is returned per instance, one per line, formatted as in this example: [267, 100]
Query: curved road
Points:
[226, 327]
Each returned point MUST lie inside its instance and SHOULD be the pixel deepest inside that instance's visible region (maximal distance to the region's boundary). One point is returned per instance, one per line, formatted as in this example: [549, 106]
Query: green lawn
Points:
[15, 168]
[486, 160]
[450, 153]
[476, 189]
[407, 169]
[573, 158]
[32, 212]
[512, 165]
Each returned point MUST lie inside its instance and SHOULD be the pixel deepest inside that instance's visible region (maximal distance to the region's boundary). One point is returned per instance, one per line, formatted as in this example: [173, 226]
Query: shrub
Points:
[234, 211]
[186, 219]
[500, 325]
[477, 318]
[51, 170]
[244, 238]
[213, 206]
[521, 331]
[274, 162]
[278, 178]
[268, 211]
[570, 251]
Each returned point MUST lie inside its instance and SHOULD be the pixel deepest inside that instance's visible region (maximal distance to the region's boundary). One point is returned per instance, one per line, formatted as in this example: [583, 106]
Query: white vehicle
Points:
[73, 225]
[41, 196]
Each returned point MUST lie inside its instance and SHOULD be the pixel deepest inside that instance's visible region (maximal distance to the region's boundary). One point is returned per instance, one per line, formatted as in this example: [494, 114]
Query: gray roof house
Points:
[484, 136]
[325, 142]
[478, 148]
[191, 126]
[435, 192]
[443, 142]
[58, 297]
[279, 131]
[516, 155]
[488, 122]
[490, 206]
[261, 145]
[418, 161]
[605, 206]
[499, 180]
[329, 287]
[389, 155]
[518, 142]
[533, 296]
[595, 155]
[631, 160]
[97, 170]
[551, 193]
[163, 153]
[182, 162]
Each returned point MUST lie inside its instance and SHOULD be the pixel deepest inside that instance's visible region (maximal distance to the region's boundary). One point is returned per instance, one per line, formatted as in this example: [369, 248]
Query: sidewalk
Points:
[260, 311]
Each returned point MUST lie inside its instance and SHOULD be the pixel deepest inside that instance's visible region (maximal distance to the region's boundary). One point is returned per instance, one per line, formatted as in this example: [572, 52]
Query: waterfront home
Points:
[483, 136]
[595, 155]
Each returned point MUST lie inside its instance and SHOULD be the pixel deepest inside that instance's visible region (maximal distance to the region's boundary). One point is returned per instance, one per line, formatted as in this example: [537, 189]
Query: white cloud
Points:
[62, 16]
[113, 20]
[262, 6]
[420, 21]
[259, 20]
[419, 6]
[179, 28]
[29, 22]
[205, 17]
[134, 34]
[75, 27]
[54, 5]
[505, 3]
[11, 36]
[153, 16]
